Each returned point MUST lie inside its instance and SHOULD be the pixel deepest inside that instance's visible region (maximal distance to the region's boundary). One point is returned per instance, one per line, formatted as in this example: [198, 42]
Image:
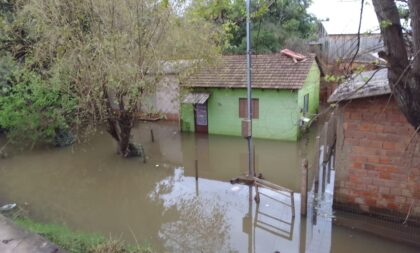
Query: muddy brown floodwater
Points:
[90, 189]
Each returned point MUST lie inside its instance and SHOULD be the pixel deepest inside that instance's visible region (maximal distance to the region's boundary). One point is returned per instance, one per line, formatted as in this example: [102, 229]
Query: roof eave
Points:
[366, 95]
[243, 87]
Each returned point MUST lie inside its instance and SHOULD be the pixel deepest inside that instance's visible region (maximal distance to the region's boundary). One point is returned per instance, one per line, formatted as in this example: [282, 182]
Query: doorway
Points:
[201, 118]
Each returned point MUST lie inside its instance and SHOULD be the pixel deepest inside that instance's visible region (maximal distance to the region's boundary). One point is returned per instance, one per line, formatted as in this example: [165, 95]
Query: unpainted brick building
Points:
[377, 151]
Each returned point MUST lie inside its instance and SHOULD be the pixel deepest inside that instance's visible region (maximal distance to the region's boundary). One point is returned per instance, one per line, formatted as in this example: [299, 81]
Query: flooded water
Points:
[91, 189]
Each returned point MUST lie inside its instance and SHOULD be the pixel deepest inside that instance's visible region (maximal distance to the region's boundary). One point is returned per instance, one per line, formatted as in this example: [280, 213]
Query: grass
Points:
[75, 242]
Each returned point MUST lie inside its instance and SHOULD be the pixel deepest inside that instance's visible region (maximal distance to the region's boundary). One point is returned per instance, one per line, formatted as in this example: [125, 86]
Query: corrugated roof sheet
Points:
[271, 71]
[196, 98]
[356, 86]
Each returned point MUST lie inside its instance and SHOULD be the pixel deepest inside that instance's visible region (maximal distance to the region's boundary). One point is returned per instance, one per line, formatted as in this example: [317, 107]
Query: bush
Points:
[32, 109]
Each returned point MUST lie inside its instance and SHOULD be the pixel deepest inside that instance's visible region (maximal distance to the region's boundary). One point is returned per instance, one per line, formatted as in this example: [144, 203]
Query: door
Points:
[201, 118]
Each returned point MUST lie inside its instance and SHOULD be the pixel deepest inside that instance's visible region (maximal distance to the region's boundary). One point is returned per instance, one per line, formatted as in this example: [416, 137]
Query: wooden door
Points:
[201, 118]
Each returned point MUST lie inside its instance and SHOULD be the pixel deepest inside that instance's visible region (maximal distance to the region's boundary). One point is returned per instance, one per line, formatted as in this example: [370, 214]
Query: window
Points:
[243, 108]
[306, 104]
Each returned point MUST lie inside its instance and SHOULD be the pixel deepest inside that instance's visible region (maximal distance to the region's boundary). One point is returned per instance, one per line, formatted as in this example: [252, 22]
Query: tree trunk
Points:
[120, 123]
[120, 129]
[403, 74]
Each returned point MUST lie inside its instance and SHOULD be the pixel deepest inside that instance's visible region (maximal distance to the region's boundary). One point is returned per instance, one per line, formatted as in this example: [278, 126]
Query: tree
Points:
[274, 22]
[402, 55]
[31, 110]
[107, 54]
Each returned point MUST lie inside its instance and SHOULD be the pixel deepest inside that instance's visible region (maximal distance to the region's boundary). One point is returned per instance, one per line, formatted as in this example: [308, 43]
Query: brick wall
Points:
[378, 160]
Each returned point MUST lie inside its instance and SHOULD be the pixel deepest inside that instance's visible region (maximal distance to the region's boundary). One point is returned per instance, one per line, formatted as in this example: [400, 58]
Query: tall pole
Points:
[249, 86]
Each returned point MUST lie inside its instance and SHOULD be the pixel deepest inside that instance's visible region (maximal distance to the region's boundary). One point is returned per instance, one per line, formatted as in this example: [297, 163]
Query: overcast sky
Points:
[344, 16]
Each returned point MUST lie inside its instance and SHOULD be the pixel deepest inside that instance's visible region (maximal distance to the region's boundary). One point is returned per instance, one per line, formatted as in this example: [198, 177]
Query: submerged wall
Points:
[278, 113]
[187, 118]
[311, 87]
[378, 161]
[277, 119]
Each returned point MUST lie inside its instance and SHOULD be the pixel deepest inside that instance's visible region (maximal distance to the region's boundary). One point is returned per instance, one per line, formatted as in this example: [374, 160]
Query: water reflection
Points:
[91, 189]
[202, 224]
[320, 213]
[220, 218]
[278, 224]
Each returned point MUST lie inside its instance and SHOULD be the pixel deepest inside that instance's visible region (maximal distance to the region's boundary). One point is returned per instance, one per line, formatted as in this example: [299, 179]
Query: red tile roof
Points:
[271, 71]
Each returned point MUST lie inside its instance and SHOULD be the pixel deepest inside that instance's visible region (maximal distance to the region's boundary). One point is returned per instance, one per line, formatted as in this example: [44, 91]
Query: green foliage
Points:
[334, 78]
[31, 109]
[264, 41]
[74, 242]
[359, 69]
[7, 66]
[89, 59]
[7, 9]
[273, 22]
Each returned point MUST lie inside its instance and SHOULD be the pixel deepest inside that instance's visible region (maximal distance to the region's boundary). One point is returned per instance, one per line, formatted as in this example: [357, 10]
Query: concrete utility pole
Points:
[249, 88]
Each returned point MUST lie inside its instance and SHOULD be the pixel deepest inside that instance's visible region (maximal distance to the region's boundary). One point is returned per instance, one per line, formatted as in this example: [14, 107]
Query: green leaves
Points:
[31, 110]
[81, 61]
[277, 21]
[165, 3]
[334, 78]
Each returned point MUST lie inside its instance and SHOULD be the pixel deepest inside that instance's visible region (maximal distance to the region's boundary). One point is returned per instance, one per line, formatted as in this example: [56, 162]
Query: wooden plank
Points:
[292, 201]
[304, 188]
[243, 180]
[316, 163]
[324, 141]
[271, 185]
[274, 199]
[287, 194]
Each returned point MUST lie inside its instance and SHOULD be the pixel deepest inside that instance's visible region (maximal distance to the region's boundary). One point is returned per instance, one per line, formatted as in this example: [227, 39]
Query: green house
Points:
[285, 95]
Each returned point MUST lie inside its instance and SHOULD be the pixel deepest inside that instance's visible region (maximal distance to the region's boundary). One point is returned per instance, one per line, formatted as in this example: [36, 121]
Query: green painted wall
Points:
[279, 110]
[277, 113]
[187, 118]
[311, 87]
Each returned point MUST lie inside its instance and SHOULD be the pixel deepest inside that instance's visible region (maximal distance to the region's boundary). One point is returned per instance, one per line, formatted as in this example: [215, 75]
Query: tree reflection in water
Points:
[202, 225]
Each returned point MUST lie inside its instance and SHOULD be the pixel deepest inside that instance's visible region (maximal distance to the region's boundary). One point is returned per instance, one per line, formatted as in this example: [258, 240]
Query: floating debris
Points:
[157, 165]
[235, 189]
[7, 207]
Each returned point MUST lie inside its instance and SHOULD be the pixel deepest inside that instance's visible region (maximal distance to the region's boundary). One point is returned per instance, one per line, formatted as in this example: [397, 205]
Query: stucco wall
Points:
[377, 171]
[163, 99]
[187, 118]
[278, 113]
[167, 97]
